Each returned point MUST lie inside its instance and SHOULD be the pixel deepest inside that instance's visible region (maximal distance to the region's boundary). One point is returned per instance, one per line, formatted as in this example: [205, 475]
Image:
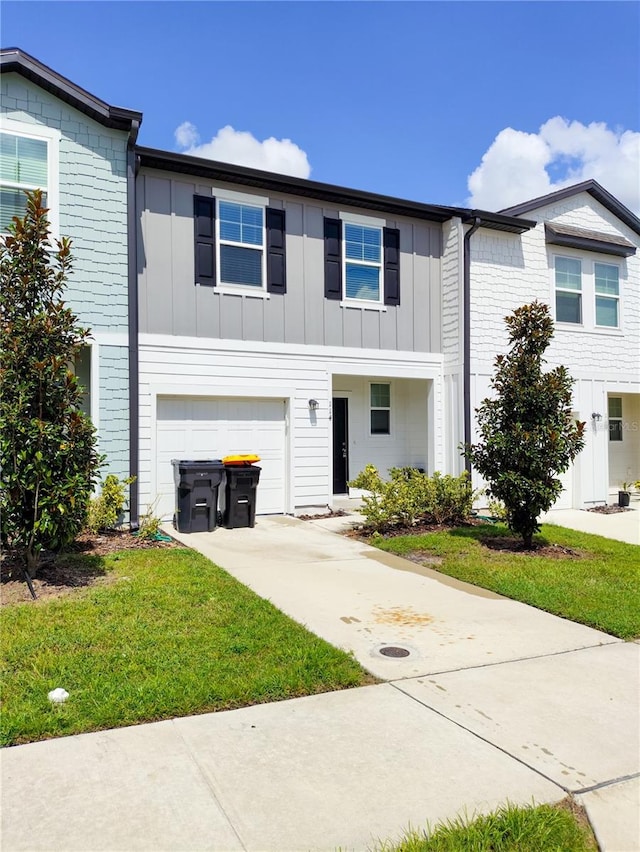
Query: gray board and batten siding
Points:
[170, 302]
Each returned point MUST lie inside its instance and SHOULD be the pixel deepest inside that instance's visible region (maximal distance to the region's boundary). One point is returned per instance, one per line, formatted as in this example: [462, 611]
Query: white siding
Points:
[508, 271]
[184, 366]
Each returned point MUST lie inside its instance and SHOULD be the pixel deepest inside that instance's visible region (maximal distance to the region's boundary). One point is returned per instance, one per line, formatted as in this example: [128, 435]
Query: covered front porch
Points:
[384, 421]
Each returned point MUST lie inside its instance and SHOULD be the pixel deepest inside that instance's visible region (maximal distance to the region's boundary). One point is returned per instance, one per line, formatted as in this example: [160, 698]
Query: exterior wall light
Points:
[596, 416]
[314, 405]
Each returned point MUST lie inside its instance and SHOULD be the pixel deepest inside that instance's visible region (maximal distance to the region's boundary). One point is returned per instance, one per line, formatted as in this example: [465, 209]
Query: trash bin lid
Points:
[240, 459]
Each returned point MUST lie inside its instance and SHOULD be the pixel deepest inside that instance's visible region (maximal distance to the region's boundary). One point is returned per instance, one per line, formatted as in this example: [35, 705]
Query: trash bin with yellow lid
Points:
[242, 477]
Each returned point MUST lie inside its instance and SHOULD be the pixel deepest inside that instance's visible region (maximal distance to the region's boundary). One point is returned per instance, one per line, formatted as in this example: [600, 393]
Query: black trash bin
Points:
[240, 495]
[197, 485]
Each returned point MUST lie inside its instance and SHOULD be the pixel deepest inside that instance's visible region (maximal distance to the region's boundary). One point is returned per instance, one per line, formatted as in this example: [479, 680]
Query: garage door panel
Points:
[192, 428]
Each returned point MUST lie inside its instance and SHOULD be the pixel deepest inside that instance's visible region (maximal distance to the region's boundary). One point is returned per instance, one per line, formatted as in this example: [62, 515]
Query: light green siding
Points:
[92, 192]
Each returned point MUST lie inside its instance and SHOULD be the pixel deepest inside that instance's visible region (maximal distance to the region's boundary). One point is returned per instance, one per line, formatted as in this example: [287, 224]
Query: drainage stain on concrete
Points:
[400, 564]
[404, 616]
[349, 619]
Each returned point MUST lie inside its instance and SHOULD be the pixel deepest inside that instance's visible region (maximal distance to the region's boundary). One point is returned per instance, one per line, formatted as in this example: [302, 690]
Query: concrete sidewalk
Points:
[494, 701]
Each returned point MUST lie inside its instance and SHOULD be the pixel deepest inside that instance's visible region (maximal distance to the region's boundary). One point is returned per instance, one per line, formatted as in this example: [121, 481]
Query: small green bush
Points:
[410, 497]
[105, 511]
[149, 524]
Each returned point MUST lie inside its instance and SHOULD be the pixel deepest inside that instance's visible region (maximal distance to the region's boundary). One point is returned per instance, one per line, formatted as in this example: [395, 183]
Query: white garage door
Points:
[197, 428]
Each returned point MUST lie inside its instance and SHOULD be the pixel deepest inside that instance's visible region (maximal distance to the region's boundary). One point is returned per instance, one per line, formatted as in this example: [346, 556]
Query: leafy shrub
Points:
[149, 525]
[105, 511]
[527, 435]
[48, 455]
[410, 497]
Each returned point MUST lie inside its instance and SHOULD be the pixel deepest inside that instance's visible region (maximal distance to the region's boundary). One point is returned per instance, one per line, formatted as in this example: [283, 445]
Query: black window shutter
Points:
[204, 227]
[332, 258]
[276, 251]
[391, 239]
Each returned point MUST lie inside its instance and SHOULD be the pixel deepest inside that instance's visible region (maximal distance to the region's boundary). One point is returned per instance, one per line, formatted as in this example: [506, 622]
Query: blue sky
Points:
[402, 98]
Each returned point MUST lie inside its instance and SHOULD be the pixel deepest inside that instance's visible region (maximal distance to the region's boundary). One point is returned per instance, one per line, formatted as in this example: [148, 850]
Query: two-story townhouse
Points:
[235, 310]
[79, 150]
[581, 259]
[294, 319]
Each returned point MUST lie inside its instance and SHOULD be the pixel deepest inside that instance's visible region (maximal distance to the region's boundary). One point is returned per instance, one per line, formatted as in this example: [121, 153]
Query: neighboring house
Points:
[236, 311]
[79, 151]
[581, 259]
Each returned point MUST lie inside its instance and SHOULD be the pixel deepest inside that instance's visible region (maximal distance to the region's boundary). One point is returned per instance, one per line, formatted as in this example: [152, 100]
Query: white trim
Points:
[251, 292]
[380, 408]
[52, 137]
[335, 357]
[358, 219]
[363, 305]
[616, 299]
[262, 248]
[94, 390]
[240, 197]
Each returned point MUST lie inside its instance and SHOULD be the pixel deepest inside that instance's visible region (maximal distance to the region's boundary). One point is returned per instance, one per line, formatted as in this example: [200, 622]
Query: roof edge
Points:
[155, 158]
[13, 59]
[594, 189]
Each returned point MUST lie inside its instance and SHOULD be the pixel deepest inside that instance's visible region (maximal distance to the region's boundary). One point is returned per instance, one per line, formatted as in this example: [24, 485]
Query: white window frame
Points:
[611, 419]
[366, 222]
[52, 137]
[372, 407]
[616, 299]
[579, 292]
[247, 201]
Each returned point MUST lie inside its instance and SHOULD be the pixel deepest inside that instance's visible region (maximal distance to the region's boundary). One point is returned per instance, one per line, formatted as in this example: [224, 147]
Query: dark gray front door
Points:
[340, 445]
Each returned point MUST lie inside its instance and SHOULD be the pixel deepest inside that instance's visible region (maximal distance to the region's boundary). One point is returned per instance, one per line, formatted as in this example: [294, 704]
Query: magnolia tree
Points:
[48, 456]
[527, 436]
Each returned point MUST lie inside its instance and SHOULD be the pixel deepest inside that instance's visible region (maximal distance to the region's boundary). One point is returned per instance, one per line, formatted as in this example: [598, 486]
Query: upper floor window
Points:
[607, 294]
[361, 261]
[363, 254]
[568, 278]
[28, 160]
[239, 244]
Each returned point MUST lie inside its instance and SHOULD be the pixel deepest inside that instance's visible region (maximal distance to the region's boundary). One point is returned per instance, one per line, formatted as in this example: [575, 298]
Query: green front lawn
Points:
[172, 635]
[600, 586]
[546, 828]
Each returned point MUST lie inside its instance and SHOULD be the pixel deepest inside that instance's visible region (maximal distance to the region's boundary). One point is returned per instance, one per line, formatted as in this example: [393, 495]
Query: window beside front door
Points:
[615, 418]
[380, 408]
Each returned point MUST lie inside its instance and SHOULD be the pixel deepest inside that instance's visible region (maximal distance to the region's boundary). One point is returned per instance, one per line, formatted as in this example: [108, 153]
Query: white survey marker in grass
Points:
[58, 696]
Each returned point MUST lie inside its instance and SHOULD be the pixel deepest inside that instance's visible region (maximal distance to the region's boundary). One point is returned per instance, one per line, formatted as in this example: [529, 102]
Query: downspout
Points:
[133, 333]
[466, 323]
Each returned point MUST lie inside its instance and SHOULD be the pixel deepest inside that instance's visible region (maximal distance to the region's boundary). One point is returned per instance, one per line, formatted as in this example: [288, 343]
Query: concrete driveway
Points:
[494, 701]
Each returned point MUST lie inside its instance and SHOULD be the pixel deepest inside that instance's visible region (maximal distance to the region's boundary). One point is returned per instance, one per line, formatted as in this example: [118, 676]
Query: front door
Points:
[340, 445]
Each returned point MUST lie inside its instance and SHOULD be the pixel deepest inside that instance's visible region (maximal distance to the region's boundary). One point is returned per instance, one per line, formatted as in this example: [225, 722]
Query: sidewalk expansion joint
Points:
[614, 641]
[210, 786]
[609, 783]
[484, 740]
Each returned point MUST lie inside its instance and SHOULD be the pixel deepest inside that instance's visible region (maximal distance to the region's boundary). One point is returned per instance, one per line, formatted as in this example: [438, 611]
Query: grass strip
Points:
[546, 828]
[598, 586]
[169, 634]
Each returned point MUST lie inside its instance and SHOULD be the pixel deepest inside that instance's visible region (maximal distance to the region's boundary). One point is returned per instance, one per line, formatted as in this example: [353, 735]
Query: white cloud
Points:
[242, 148]
[519, 166]
[187, 135]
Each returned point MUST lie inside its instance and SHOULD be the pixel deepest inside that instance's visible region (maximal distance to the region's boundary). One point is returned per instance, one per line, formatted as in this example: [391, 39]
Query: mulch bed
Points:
[609, 510]
[59, 575]
[339, 513]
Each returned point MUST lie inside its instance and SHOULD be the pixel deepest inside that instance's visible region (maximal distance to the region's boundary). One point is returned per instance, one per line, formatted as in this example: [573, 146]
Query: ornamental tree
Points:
[48, 456]
[527, 436]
